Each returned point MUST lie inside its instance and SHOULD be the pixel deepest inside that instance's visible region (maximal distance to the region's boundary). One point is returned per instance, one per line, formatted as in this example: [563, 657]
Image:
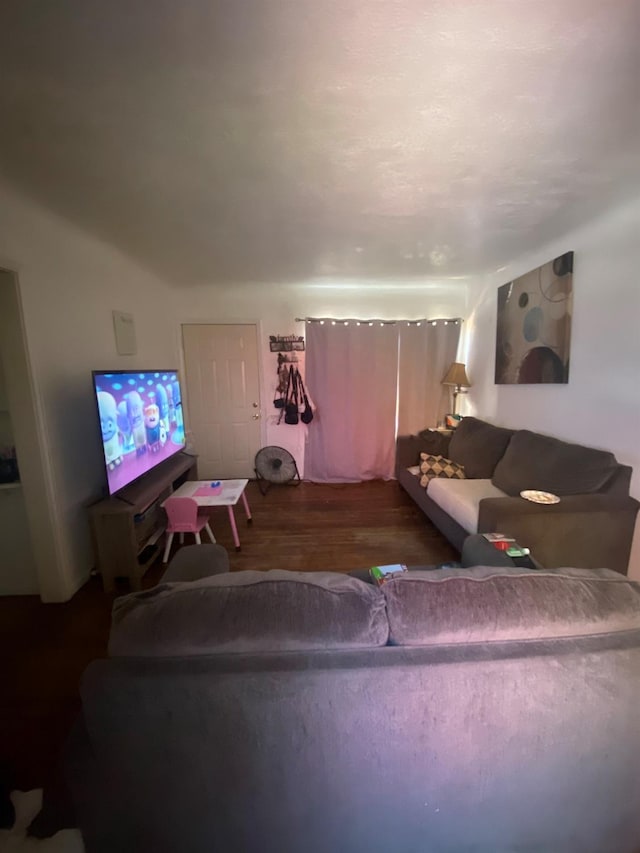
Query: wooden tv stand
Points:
[128, 530]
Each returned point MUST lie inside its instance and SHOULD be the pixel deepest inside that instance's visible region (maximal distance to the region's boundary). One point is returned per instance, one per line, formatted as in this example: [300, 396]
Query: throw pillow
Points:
[439, 466]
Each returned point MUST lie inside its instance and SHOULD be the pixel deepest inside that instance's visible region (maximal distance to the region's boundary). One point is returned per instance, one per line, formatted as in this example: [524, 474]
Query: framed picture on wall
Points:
[533, 334]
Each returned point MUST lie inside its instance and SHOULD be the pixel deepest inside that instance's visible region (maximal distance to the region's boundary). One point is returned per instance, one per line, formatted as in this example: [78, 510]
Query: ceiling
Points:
[230, 140]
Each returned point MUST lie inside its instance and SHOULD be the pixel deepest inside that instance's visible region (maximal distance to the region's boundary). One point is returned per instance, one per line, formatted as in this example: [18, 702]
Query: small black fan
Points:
[275, 465]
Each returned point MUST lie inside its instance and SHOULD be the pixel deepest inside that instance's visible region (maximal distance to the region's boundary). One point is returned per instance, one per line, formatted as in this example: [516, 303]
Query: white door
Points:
[223, 397]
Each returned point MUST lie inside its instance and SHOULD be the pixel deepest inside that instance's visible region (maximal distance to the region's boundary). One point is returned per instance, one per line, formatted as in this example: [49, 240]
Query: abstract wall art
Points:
[533, 335]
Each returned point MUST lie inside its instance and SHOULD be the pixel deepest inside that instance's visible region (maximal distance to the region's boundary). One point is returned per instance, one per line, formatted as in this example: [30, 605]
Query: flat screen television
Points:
[140, 420]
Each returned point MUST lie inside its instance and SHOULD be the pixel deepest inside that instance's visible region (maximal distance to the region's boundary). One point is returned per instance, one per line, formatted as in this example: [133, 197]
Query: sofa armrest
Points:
[409, 448]
[582, 531]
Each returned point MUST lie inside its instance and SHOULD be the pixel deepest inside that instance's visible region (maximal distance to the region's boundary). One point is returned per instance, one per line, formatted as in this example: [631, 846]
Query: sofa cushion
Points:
[435, 442]
[534, 461]
[478, 446]
[249, 611]
[439, 466]
[485, 604]
[460, 499]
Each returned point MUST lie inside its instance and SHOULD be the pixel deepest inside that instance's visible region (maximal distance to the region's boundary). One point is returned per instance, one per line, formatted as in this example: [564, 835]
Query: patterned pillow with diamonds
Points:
[439, 466]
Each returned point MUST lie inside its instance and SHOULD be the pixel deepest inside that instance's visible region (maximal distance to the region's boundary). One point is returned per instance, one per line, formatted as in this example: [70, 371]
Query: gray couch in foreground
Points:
[487, 710]
[591, 527]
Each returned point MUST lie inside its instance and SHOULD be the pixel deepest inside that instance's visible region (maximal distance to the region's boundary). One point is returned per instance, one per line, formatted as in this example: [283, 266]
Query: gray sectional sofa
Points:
[487, 710]
[591, 527]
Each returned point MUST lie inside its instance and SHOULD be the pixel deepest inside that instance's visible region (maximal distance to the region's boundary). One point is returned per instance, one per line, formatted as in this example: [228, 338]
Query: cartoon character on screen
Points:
[163, 435]
[172, 408]
[163, 404]
[152, 426]
[109, 426]
[134, 410]
[178, 436]
[124, 425]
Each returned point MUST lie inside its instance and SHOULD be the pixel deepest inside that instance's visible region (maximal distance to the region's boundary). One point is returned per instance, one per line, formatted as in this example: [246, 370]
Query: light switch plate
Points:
[125, 332]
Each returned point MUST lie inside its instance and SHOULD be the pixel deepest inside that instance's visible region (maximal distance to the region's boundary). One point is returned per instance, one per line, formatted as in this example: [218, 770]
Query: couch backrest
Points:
[535, 461]
[520, 459]
[280, 611]
[478, 446]
[488, 604]
[249, 611]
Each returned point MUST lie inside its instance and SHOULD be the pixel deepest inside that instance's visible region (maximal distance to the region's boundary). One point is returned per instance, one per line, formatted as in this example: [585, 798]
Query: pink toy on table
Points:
[214, 488]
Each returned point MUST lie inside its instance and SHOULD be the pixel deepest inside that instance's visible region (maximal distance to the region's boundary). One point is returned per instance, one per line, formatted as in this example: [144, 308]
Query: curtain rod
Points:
[346, 320]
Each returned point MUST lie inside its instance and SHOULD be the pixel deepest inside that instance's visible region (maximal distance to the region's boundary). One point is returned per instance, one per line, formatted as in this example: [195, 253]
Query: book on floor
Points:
[382, 574]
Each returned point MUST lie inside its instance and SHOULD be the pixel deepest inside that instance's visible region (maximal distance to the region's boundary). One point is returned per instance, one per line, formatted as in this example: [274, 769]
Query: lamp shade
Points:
[457, 375]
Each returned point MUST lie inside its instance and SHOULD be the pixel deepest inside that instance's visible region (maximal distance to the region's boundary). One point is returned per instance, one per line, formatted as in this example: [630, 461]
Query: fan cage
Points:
[275, 465]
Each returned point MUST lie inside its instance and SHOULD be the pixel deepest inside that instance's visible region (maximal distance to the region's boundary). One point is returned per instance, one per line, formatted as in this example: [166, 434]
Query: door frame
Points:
[236, 321]
[36, 473]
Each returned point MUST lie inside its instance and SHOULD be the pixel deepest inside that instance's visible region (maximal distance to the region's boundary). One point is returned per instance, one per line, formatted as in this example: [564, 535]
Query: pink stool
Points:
[183, 517]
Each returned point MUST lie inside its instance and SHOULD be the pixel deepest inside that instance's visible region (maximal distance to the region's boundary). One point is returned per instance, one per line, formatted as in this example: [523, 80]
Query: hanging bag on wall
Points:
[291, 406]
[285, 397]
[281, 391]
[280, 400]
[307, 413]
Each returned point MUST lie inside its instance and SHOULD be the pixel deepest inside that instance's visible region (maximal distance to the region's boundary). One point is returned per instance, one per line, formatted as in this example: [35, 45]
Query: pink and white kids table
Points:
[228, 493]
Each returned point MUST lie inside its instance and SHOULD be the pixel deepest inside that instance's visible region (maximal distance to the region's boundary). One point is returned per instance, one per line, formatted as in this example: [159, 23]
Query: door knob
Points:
[255, 405]
[256, 416]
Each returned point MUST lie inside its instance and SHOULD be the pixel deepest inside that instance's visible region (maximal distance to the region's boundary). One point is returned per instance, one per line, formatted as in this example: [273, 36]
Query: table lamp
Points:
[456, 376]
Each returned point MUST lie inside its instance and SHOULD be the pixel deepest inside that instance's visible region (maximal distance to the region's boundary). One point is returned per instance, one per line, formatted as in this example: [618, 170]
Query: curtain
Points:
[352, 371]
[426, 352]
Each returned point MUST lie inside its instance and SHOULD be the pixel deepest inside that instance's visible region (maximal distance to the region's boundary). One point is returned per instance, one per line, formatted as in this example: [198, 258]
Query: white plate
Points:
[539, 497]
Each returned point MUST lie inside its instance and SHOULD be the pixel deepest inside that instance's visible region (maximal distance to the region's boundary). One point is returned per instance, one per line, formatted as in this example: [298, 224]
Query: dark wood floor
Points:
[44, 648]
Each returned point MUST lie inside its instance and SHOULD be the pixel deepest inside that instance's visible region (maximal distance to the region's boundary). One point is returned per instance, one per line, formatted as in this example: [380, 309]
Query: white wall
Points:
[69, 285]
[275, 307]
[600, 406]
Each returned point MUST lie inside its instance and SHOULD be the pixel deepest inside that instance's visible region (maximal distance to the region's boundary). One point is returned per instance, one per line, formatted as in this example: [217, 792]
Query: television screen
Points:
[140, 420]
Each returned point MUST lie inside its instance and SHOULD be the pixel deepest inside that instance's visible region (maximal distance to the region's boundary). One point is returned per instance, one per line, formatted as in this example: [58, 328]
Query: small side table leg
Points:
[234, 529]
[247, 511]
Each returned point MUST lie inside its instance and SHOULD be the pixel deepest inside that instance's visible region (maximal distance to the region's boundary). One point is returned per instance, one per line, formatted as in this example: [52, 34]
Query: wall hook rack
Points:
[286, 343]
